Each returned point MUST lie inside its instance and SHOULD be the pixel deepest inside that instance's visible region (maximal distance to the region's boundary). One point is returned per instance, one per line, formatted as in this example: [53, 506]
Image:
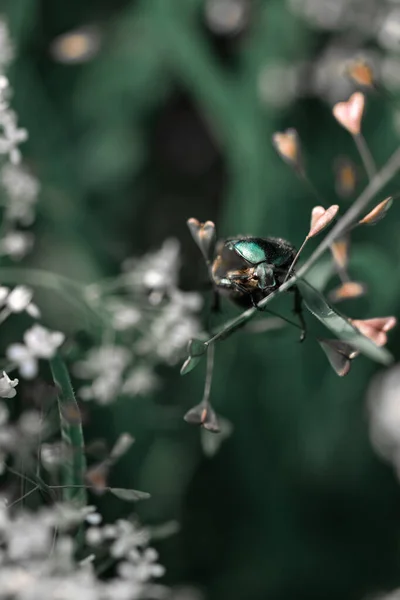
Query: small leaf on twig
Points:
[375, 329]
[287, 145]
[341, 325]
[196, 349]
[321, 218]
[211, 443]
[349, 114]
[204, 235]
[129, 495]
[339, 355]
[203, 414]
[377, 213]
[348, 291]
[96, 477]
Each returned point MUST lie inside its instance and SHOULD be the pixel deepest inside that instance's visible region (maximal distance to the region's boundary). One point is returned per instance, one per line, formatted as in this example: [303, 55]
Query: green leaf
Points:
[129, 495]
[340, 325]
[74, 467]
[196, 349]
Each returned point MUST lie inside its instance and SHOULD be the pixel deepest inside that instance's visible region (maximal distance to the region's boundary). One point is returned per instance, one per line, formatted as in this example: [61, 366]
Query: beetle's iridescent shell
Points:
[250, 250]
[273, 251]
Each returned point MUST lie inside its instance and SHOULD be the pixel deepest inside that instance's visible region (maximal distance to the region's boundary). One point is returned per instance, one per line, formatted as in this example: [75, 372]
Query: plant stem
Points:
[366, 156]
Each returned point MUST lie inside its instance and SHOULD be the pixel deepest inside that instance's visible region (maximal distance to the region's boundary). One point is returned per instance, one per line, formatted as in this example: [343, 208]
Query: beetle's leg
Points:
[298, 311]
[243, 290]
[255, 305]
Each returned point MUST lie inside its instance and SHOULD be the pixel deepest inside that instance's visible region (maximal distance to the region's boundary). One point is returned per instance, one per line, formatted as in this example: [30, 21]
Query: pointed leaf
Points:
[377, 213]
[340, 354]
[340, 325]
[196, 349]
[129, 495]
[211, 443]
[203, 414]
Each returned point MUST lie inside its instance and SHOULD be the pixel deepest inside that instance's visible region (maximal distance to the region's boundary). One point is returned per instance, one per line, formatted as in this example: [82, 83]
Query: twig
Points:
[366, 156]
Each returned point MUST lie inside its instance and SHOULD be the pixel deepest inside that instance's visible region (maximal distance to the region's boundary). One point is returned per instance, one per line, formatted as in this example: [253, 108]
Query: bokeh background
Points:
[169, 115]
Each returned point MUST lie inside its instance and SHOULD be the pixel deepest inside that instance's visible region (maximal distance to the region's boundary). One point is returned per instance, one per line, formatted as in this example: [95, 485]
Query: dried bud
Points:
[347, 291]
[340, 354]
[320, 218]
[360, 72]
[349, 114]
[345, 177]
[203, 414]
[72, 413]
[96, 477]
[76, 46]
[287, 144]
[340, 252]
[375, 329]
[204, 235]
[377, 213]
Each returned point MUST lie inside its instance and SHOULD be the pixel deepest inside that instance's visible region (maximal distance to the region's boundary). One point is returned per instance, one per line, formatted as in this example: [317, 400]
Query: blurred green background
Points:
[172, 118]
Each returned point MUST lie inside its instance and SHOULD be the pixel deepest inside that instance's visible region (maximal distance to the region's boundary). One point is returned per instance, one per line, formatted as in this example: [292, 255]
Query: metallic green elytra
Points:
[251, 250]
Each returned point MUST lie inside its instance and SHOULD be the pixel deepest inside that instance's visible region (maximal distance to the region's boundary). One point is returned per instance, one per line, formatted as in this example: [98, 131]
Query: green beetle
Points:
[247, 269]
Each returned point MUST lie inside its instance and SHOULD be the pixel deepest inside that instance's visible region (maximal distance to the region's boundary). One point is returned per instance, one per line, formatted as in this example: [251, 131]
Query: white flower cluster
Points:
[18, 188]
[20, 438]
[39, 342]
[153, 317]
[36, 564]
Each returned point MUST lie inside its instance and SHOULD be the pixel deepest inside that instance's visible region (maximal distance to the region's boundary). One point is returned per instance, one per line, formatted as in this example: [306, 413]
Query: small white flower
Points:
[22, 191]
[42, 342]
[22, 357]
[12, 136]
[94, 536]
[156, 270]
[103, 359]
[7, 386]
[16, 244]
[124, 315]
[140, 382]
[19, 299]
[39, 343]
